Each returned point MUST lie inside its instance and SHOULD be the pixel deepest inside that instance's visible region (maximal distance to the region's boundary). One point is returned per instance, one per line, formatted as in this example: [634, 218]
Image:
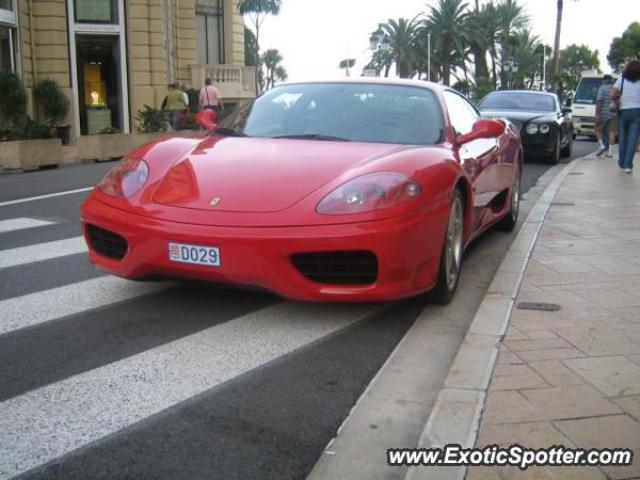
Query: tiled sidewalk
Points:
[572, 377]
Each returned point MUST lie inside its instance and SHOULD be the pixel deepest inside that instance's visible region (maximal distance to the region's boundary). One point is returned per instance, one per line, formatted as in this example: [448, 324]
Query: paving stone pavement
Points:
[572, 377]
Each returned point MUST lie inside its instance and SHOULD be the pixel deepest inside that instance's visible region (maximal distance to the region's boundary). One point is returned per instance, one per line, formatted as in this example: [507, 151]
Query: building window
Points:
[96, 11]
[6, 4]
[7, 49]
[210, 31]
[97, 45]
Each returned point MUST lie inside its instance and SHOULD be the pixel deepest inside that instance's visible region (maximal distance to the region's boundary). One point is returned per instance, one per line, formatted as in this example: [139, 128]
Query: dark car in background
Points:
[545, 126]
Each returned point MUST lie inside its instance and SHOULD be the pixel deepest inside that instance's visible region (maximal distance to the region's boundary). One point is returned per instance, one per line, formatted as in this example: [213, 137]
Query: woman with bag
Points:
[626, 100]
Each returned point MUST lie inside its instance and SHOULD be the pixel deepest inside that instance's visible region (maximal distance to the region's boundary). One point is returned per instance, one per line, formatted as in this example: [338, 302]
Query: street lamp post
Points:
[429, 56]
[544, 68]
[379, 41]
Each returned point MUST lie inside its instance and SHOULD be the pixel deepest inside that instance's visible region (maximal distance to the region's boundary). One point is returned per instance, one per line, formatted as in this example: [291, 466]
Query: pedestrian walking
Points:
[210, 98]
[174, 104]
[185, 97]
[626, 96]
[606, 121]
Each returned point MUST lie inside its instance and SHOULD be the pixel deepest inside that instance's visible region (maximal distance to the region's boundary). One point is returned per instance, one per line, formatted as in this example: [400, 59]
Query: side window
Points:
[461, 113]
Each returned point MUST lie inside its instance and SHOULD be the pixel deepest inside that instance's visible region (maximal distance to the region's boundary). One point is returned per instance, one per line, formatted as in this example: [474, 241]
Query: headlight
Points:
[532, 129]
[544, 128]
[370, 192]
[125, 179]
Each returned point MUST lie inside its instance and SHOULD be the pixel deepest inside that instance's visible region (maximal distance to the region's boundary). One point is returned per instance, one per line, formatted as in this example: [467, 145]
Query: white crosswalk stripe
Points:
[43, 251]
[44, 424]
[22, 223]
[49, 422]
[40, 307]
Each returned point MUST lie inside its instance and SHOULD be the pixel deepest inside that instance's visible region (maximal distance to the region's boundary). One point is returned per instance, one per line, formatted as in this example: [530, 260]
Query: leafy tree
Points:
[274, 71]
[381, 60]
[251, 57]
[53, 100]
[625, 48]
[573, 61]
[444, 21]
[257, 10]
[13, 100]
[401, 34]
[347, 64]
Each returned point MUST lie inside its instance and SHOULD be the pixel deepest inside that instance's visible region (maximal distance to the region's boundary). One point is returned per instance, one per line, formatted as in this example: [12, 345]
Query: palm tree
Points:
[511, 18]
[347, 64]
[257, 10]
[401, 35]
[527, 54]
[445, 22]
[274, 71]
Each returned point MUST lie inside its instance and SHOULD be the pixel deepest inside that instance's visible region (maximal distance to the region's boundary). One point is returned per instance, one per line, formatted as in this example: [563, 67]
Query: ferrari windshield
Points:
[518, 101]
[358, 112]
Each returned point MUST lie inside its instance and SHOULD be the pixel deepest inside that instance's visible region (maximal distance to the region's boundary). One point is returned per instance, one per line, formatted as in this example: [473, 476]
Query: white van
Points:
[583, 109]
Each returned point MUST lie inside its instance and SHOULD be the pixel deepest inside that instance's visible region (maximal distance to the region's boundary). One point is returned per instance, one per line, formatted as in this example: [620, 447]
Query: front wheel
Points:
[554, 158]
[567, 150]
[509, 221]
[451, 257]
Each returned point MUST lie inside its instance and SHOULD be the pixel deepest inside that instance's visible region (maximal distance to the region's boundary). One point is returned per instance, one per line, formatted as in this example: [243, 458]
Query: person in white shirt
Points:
[185, 97]
[627, 91]
[210, 98]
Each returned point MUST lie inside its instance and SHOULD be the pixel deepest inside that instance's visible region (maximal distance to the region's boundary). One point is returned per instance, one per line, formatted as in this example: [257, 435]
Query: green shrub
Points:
[152, 120]
[13, 100]
[55, 103]
[30, 130]
[109, 131]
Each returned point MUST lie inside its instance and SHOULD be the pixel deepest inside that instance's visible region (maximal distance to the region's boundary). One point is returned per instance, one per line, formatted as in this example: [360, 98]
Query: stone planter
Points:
[103, 147]
[30, 154]
[112, 146]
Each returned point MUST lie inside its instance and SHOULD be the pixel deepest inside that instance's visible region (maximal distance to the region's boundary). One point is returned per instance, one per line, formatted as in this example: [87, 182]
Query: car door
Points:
[479, 158]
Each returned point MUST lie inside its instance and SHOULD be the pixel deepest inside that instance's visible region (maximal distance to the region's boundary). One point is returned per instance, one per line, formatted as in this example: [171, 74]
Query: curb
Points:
[455, 417]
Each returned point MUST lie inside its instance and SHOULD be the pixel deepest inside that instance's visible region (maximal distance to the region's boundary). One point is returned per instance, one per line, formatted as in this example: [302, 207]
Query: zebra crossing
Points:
[53, 421]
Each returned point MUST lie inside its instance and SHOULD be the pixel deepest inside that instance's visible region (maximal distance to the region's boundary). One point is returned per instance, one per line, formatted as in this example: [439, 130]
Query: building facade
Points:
[112, 57]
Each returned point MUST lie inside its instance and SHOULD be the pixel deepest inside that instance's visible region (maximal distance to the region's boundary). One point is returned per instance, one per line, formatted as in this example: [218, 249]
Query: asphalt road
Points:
[104, 378]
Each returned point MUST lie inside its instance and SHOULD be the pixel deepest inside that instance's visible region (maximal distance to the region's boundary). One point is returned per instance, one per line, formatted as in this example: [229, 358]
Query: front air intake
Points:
[347, 267]
[106, 243]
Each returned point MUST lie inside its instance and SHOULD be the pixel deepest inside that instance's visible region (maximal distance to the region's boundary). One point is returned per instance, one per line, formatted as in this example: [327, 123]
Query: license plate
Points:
[194, 254]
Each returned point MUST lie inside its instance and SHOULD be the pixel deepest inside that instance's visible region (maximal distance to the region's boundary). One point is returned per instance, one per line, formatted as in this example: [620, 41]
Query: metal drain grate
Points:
[563, 204]
[544, 307]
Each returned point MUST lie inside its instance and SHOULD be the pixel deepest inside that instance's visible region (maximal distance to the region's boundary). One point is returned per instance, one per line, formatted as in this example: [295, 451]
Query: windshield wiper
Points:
[230, 132]
[314, 136]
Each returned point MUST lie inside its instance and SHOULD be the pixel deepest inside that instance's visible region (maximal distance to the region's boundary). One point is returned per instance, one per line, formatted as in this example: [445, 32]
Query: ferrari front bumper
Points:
[407, 249]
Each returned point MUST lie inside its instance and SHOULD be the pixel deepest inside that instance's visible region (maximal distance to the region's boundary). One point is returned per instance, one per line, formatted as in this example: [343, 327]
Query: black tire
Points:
[444, 290]
[554, 158]
[511, 218]
[567, 149]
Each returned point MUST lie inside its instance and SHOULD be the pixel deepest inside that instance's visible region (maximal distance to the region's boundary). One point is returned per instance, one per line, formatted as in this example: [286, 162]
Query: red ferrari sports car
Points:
[339, 191]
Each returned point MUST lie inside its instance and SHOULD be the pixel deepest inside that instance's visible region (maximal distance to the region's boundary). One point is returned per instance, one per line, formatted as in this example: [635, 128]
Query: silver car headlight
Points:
[544, 128]
[532, 129]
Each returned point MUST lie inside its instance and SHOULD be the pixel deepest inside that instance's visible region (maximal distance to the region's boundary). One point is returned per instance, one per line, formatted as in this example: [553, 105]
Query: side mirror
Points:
[483, 128]
[207, 120]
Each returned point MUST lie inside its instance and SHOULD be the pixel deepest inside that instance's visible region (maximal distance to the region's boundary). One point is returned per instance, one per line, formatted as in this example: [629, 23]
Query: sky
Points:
[314, 35]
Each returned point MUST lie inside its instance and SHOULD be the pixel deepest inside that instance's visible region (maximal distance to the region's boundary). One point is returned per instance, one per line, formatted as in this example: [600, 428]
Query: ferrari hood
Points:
[259, 175]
